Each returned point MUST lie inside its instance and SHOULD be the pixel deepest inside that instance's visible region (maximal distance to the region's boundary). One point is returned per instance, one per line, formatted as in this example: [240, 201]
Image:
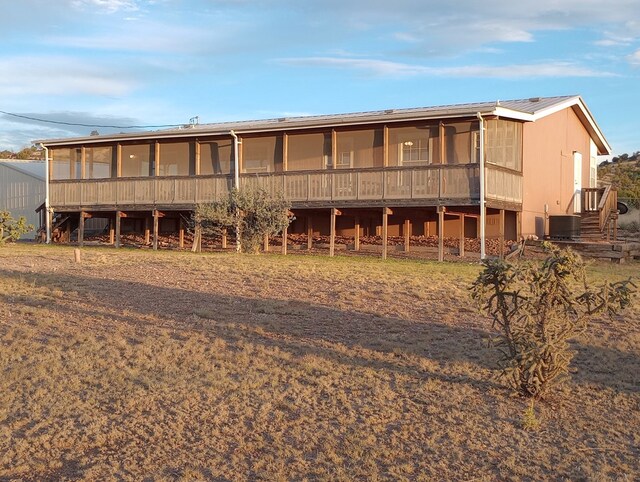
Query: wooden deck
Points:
[410, 186]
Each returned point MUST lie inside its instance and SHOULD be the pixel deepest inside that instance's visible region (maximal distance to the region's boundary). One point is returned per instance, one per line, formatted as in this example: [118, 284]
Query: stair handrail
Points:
[608, 204]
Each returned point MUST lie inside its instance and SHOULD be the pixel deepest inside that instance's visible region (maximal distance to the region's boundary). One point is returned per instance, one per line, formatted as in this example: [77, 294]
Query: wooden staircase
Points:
[599, 214]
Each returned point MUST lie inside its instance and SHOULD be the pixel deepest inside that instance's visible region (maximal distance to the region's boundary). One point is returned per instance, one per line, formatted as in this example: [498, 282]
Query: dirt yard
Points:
[134, 365]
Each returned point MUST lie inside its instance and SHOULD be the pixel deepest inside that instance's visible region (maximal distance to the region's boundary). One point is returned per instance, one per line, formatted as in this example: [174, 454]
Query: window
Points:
[176, 159]
[137, 160]
[503, 144]
[361, 148]
[66, 163]
[216, 157]
[308, 151]
[413, 146]
[262, 154]
[98, 162]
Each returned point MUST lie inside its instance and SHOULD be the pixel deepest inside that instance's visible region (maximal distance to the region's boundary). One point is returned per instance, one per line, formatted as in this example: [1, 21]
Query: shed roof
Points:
[32, 168]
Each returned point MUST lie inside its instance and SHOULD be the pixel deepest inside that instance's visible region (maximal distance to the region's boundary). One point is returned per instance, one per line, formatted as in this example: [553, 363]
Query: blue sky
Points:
[151, 62]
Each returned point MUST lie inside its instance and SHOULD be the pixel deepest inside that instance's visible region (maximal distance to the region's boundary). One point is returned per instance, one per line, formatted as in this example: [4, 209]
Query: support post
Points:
[155, 229]
[441, 210]
[196, 247]
[332, 234]
[181, 234]
[111, 232]
[118, 222]
[461, 242]
[426, 229]
[356, 239]
[81, 230]
[407, 235]
[501, 235]
[385, 230]
[309, 233]
[68, 231]
[224, 239]
[146, 230]
[265, 243]
[518, 226]
[285, 233]
[615, 228]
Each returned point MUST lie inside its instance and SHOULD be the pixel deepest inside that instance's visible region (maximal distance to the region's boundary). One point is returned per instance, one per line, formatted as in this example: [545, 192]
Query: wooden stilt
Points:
[356, 239]
[441, 210]
[181, 234]
[461, 242]
[147, 235]
[81, 230]
[118, 222]
[332, 234]
[518, 226]
[196, 247]
[385, 231]
[155, 229]
[112, 235]
[265, 243]
[501, 235]
[68, 231]
[224, 239]
[285, 234]
[309, 233]
[407, 235]
[426, 228]
[615, 228]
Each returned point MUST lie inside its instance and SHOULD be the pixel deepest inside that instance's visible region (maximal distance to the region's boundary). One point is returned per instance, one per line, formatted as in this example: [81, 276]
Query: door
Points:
[577, 182]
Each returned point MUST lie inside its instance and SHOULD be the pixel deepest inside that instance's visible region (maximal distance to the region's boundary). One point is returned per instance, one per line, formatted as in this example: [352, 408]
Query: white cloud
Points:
[108, 6]
[45, 75]
[634, 58]
[385, 68]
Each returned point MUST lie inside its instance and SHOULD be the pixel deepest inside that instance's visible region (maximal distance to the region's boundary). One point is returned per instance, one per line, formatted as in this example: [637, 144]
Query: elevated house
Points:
[491, 169]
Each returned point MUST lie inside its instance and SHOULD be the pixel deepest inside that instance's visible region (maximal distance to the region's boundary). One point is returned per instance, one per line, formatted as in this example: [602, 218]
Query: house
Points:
[491, 169]
[22, 187]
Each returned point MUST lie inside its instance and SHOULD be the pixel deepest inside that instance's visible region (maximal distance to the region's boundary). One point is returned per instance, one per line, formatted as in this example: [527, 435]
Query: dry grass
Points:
[173, 366]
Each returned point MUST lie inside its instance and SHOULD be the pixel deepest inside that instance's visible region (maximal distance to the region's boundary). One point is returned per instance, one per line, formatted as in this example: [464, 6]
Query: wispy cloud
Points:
[108, 6]
[385, 68]
[634, 58]
[49, 75]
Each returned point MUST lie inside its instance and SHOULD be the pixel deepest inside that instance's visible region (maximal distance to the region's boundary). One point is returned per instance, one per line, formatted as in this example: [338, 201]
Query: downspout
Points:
[47, 207]
[236, 181]
[483, 211]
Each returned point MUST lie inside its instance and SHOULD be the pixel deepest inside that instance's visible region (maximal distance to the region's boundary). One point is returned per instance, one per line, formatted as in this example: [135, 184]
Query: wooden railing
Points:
[399, 183]
[602, 200]
[503, 185]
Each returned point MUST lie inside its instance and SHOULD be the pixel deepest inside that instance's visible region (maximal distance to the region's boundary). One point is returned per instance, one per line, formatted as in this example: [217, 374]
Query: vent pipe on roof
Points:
[483, 210]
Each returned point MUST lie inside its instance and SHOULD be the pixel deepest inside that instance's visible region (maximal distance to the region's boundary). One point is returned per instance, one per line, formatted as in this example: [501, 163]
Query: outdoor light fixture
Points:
[408, 143]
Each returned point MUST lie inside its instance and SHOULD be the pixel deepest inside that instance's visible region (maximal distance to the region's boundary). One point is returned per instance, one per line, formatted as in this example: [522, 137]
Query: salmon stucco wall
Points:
[548, 152]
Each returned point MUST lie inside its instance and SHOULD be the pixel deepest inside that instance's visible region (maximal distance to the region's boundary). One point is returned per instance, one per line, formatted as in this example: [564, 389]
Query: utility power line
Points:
[86, 125]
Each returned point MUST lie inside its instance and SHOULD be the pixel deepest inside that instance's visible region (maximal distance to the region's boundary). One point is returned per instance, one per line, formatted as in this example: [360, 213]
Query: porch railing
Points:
[604, 201]
[396, 183]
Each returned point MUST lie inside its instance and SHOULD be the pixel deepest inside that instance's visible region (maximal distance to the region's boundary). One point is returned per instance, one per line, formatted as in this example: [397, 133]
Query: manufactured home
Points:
[492, 169]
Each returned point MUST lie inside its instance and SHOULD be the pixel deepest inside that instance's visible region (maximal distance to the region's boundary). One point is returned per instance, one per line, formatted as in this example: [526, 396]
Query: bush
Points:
[11, 229]
[250, 213]
[538, 309]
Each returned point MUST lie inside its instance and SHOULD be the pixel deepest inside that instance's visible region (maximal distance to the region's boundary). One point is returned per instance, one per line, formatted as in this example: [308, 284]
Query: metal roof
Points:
[523, 109]
[32, 168]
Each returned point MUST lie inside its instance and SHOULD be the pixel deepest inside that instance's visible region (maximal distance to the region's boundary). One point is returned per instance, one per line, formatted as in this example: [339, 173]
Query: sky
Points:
[162, 62]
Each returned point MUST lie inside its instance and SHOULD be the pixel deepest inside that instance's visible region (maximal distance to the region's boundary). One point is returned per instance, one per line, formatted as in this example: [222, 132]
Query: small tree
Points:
[538, 309]
[251, 213]
[11, 229]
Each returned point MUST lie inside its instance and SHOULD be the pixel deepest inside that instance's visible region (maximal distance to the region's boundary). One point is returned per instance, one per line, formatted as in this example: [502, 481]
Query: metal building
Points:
[22, 190]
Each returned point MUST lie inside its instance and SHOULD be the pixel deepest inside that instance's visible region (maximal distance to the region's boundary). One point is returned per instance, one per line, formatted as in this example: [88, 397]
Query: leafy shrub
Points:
[250, 213]
[538, 309]
[11, 229]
